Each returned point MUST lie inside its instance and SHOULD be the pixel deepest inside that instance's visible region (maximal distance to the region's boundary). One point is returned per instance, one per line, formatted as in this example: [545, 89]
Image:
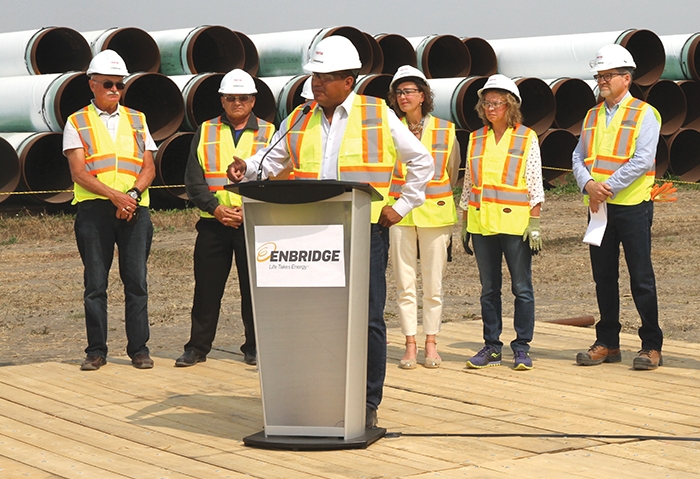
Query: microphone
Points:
[304, 112]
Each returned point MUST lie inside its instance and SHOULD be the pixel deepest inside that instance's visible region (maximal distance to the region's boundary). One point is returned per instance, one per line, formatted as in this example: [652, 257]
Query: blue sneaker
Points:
[488, 356]
[522, 361]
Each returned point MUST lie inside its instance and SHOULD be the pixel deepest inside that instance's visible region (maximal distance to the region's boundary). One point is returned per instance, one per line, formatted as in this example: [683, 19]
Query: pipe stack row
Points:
[175, 75]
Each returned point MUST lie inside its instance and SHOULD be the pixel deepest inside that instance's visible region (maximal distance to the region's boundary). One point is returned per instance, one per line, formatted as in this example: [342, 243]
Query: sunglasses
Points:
[108, 84]
[240, 98]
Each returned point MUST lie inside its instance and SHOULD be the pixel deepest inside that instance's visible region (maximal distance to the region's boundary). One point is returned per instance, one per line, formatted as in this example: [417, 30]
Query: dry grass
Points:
[26, 226]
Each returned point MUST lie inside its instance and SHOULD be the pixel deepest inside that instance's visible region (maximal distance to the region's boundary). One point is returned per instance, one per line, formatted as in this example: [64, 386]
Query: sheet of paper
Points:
[596, 226]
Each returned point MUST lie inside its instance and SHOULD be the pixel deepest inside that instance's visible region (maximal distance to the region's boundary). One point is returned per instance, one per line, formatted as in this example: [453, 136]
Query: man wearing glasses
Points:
[351, 137]
[614, 165]
[237, 132]
[109, 151]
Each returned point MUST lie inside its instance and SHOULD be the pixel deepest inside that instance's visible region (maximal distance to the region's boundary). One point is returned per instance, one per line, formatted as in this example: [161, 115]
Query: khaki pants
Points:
[404, 244]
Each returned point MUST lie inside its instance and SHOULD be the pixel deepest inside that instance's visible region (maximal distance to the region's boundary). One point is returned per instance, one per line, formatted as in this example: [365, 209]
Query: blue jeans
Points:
[376, 337]
[214, 252]
[97, 230]
[631, 227]
[489, 252]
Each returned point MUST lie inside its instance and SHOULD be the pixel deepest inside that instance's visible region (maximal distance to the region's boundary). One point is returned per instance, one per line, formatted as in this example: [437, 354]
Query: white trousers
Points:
[404, 244]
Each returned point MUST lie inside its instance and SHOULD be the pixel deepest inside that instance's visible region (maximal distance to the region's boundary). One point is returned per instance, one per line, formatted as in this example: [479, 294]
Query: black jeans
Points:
[97, 230]
[214, 251]
[631, 227]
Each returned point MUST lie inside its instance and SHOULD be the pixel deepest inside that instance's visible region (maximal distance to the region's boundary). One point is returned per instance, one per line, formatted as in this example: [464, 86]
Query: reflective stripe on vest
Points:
[439, 206]
[216, 148]
[369, 160]
[499, 203]
[609, 147]
[115, 162]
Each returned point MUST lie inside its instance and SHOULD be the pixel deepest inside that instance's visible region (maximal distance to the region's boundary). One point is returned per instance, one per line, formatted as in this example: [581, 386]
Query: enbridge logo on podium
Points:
[310, 256]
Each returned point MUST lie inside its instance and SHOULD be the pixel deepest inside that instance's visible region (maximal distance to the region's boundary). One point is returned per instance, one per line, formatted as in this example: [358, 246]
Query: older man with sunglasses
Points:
[109, 151]
[237, 132]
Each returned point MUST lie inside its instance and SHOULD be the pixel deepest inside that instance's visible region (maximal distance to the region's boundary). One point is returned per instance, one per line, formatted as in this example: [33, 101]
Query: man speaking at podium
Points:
[350, 137]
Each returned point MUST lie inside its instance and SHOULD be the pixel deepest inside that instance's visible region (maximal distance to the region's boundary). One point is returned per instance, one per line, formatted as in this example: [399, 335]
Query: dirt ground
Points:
[42, 319]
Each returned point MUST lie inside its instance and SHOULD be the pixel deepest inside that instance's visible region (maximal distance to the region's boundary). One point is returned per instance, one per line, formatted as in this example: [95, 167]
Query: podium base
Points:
[310, 443]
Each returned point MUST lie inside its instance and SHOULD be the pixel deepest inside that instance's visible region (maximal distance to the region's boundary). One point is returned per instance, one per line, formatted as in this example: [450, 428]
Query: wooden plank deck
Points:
[558, 420]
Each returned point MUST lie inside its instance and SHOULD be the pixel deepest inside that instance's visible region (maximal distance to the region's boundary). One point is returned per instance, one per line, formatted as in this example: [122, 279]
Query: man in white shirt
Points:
[333, 144]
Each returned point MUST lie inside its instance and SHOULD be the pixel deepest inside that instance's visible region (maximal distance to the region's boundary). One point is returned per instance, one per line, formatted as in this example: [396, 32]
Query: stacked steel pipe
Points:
[175, 76]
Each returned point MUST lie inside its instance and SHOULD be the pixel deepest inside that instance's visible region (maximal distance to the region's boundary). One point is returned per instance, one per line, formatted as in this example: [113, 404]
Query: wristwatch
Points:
[134, 193]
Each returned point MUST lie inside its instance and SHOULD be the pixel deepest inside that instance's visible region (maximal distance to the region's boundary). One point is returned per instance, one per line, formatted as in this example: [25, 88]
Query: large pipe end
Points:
[556, 148]
[483, 59]
[215, 49]
[573, 98]
[397, 51]
[252, 59]
[58, 50]
[377, 54]
[374, 85]
[691, 91]
[9, 169]
[171, 161]
[464, 100]
[72, 95]
[538, 105]
[684, 154]
[668, 98]
[138, 49]
[44, 168]
[157, 97]
[444, 56]
[648, 53]
[202, 100]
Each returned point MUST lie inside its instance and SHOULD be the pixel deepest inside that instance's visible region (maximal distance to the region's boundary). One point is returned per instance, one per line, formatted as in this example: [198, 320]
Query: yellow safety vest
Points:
[116, 163]
[366, 154]
[499, 202]
[216, 150]
[607, 148]
[439, 207]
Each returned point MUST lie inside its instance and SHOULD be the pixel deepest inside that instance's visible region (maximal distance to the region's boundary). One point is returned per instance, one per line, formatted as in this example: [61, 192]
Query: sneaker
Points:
[597, 354]
[522, 361]
[648, 359]
[488, 356]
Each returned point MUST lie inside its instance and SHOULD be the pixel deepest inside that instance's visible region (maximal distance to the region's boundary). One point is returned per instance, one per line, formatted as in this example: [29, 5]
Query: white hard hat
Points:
[612, 56]
[333, 54]
[237, 82]
[501, 82]
[107, 62]
[407, 71]
[306, 91]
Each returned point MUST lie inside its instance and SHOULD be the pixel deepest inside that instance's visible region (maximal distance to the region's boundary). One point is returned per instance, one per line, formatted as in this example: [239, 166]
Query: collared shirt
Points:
[195, 183]
[71, 138]
[409, 150]
[638, 165]
[533, 178]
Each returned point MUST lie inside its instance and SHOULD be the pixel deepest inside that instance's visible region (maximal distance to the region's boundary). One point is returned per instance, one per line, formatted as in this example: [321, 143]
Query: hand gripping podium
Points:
[308, 244]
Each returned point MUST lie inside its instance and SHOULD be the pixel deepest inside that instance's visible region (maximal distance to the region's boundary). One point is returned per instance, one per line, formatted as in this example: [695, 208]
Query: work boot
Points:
[648, 359]
[597, 354]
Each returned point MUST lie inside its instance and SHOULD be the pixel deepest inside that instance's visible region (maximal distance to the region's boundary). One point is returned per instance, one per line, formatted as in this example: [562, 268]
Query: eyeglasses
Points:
[108, 84]
[240, 98]
[606, 77]
[493, 104]
[407, 92]
[327, 77]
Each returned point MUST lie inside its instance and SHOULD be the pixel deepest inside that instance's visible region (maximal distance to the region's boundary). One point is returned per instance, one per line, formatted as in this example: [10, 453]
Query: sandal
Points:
[411, 362]
[431, 363]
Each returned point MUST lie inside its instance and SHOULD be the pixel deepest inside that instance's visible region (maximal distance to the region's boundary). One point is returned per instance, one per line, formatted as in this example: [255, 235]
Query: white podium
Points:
[308, 246]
